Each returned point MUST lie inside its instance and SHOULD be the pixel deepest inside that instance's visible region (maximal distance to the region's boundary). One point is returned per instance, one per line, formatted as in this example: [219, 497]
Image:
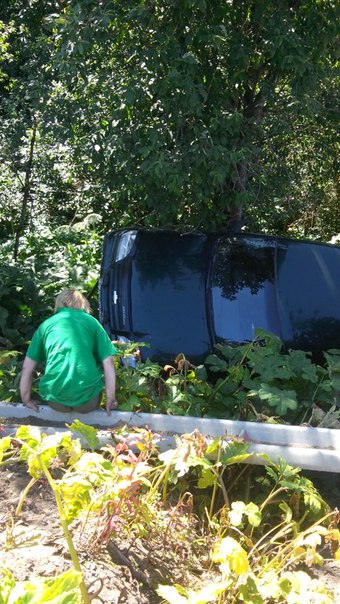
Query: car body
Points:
[185, 292]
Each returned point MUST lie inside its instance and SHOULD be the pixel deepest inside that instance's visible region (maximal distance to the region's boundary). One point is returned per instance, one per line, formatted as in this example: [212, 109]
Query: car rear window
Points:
[308, 291]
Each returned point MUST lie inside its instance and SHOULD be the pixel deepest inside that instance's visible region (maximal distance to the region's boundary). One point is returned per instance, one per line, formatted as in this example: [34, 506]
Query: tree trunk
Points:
[27, 189]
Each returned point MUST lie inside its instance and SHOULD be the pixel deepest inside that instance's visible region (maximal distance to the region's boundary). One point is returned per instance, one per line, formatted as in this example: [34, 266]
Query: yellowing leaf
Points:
[89, 433]
[5, 444]
[171, 594]
[230, 551]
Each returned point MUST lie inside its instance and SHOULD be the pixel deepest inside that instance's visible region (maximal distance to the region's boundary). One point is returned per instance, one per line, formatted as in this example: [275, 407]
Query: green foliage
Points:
[48, 261]
[87, 432]
[39, 450]
[134, 121]
[57, 590]
[260, 377]
[10, 366]
[256, 563]
[256, 381]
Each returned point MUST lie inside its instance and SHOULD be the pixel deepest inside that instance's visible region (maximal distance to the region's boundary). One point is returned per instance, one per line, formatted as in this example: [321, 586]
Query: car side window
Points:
[243, 290]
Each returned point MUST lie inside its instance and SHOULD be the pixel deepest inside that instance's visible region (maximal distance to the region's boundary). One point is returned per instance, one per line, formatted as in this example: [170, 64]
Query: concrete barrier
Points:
[301, 446]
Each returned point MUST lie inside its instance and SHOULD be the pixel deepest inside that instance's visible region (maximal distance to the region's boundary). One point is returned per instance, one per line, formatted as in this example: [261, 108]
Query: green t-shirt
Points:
[73, 345]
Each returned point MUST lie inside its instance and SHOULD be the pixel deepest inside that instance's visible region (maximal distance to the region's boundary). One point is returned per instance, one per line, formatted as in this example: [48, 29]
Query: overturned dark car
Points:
[183, 293]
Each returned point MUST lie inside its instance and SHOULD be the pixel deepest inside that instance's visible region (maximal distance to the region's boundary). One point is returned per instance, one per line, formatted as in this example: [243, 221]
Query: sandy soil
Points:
[33, 545]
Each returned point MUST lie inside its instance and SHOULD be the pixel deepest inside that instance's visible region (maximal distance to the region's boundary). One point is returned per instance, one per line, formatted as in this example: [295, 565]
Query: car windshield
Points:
[243, 289]
[168, 294]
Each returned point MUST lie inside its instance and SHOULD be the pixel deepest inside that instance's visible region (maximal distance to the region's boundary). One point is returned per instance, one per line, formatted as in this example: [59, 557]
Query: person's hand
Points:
[32, 405]
[111, 405]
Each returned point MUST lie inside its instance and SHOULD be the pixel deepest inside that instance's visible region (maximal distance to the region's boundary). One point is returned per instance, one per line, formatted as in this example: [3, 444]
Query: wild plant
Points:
[258, 550]
[38, 451]
[127, 492]
[260, 381]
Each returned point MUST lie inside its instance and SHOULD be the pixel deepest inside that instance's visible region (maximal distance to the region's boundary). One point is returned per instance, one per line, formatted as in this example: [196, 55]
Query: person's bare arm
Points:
[110, 384]
[26, 384]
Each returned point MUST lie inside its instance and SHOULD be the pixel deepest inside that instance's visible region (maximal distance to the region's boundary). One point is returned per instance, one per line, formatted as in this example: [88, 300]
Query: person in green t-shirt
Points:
[76, 351]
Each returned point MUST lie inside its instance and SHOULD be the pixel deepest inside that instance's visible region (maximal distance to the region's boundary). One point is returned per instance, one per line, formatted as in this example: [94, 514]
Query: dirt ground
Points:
[33, 545]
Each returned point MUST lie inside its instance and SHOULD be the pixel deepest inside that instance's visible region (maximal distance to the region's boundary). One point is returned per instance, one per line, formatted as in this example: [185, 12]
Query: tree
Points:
[193, 112]
[34, 174]
[181, 102]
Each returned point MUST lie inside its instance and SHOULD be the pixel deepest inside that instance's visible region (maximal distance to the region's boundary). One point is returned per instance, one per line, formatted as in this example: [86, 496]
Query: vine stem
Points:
[74, 556]
[24, 495]
[220, 481]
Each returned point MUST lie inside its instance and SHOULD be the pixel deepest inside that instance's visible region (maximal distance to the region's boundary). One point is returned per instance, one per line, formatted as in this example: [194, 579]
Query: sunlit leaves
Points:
[63, 589]
[88, 432]
[299, 586]
[176, 594]
[231, 556]
[5, 445]
[240, 510]
[39, 448]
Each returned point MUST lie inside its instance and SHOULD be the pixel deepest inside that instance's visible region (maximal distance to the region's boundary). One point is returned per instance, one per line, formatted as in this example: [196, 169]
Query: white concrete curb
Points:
[304, 447]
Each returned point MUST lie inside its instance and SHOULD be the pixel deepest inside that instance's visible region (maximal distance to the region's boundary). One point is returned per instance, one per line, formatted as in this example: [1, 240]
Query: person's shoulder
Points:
[46, 322]
[90, 319]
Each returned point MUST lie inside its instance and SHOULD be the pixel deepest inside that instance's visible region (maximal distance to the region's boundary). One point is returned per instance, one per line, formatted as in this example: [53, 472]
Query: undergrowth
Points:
[256, 381]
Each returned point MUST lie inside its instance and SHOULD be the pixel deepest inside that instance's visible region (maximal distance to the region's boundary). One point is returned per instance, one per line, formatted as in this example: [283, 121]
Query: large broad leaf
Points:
[76, 492]
[87, 432]
[272, 342]
[38, 447]
[270, 366]
[298, 586]
[5, 444]
[303, 367]
[281, 400]
[333, 359]
[59, 590]
[216, 364]
[206, 479]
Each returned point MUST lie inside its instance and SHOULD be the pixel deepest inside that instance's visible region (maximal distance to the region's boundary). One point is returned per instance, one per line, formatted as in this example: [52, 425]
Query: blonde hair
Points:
[72, 298]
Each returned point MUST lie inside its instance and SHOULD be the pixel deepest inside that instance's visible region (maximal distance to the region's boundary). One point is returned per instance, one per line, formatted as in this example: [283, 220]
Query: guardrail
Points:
[301, 446]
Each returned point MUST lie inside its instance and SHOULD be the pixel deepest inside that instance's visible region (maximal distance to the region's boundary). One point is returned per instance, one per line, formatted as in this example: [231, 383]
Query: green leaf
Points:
[87, 432]
[235, 453]
[5, 444]
[213, 446]
[240, 509]
[59, 590]
[76, 492]
[172, 594]
[7, 584]
[281, 400]
[188, 57]
[216, 364]
[206, 479]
